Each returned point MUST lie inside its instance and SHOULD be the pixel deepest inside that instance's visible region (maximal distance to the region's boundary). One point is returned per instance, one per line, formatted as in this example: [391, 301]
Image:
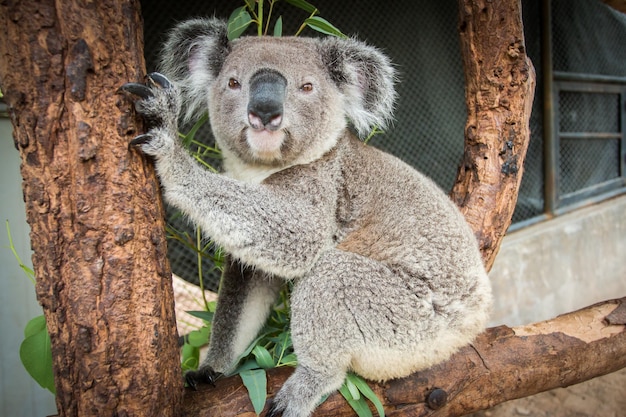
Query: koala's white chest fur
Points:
[251, 174]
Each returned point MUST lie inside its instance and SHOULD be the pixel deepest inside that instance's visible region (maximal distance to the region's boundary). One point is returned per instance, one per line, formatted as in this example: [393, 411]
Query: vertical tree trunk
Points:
[93, 206]
[499, 91]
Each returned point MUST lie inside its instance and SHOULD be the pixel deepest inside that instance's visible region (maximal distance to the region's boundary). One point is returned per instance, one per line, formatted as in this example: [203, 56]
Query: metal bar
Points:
[622, 115]
[589, 87]
[588, 78]
[550, 138]
[590, 135]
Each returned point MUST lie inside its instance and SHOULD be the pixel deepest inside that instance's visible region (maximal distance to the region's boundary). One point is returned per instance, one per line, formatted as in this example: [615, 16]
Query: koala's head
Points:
[278, 101]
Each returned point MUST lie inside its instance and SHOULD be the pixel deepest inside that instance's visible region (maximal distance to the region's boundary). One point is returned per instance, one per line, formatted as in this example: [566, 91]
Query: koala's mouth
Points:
[264, 144]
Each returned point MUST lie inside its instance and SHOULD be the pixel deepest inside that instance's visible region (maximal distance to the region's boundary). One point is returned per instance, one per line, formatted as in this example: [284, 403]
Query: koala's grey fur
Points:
[387, 275]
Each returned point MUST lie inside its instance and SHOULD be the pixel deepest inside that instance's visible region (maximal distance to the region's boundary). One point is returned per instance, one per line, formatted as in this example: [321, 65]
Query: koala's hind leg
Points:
[352, 313]
[303, 391]
[244, 301]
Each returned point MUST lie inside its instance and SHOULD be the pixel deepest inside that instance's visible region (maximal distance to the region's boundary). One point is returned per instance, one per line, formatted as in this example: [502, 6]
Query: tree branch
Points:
[502, 364]
[499, 91]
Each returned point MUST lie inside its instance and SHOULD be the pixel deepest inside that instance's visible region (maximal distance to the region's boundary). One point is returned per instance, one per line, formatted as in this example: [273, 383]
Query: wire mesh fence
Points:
[421, 37]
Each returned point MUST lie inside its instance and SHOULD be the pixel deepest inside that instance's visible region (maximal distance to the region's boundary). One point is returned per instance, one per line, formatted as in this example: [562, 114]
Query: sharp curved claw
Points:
[202, 376]
[136, 89]
[159, 80]
[273, 410]
[139, 140]
[191, 382]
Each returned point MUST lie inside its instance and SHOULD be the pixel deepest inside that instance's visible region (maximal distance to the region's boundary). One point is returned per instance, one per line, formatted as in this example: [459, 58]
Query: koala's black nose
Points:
[267, 97]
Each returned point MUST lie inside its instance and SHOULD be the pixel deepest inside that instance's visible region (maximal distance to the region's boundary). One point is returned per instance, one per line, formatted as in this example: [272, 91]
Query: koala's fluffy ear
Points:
[192, 57]
[366, 78]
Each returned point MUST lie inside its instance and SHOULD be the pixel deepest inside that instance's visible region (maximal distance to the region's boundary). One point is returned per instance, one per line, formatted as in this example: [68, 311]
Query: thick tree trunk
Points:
[502, 364]
[499, 89]
[93, 206]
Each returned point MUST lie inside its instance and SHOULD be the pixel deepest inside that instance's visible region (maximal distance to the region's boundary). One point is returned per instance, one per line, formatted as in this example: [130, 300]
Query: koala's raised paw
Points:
[158, 102]
[201, 376]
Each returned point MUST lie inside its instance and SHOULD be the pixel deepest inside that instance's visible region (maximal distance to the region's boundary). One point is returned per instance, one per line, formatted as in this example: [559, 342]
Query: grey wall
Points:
[561, 265]
[20, 395]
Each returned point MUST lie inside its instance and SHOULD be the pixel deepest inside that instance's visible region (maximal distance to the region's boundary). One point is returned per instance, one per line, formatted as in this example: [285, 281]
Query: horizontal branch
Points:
[503, 364]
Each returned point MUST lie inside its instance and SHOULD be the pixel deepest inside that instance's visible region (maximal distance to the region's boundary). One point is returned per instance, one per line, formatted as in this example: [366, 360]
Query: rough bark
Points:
[502, 364]
[499, 89]
[93, 206]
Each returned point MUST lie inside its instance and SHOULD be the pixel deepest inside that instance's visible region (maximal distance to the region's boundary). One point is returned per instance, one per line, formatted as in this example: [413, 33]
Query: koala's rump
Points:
[405, 286]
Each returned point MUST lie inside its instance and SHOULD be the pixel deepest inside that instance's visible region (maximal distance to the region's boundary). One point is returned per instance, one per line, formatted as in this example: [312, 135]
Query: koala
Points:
[387, 276]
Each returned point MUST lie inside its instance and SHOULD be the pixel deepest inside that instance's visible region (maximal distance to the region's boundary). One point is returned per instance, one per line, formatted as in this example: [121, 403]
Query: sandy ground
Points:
[600, 397]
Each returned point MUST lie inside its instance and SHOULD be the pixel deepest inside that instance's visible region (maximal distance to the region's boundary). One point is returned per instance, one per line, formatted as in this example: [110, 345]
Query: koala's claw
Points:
[201, 376]
[136, 89]
[158, 79]
[274, 410]
[140, 140]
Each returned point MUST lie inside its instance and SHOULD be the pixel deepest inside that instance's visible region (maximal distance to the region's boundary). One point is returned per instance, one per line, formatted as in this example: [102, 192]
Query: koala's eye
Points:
[307, 88]
[233, 84]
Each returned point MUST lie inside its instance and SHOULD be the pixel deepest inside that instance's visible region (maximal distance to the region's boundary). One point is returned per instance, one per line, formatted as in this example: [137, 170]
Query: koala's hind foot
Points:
[303, 391]
[201, 376]
[158, 102]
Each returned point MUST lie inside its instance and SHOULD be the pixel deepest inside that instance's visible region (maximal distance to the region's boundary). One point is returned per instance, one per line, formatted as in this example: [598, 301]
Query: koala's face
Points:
[274, 103]
[278, 101]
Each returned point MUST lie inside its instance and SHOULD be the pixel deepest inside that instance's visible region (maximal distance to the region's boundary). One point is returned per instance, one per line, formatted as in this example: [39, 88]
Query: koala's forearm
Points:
[273, 227]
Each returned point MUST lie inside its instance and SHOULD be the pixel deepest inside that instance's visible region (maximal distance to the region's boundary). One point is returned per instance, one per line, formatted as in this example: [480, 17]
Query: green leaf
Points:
[199, 338]
[246, 366]
[35, 325]
[204, 315]
[190, 357]
[301, 4]
[251, 4]
[189, 136]
[36, 354]
[238, 22]
[324, 26]
[354, 391]
[289, 360]
[263, 357]
[278, 27]
[367, 392]
[358, 405]
[255, 381]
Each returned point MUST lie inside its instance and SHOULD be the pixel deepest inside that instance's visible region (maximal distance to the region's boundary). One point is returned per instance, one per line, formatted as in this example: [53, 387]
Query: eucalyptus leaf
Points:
[190, 136]
[278, 27]
[190, 357]
[204, 315]
[199, 338]
[246, 366]
[367, 392]
[289, 360]
[251, 4]
[263, 357]
[36, 354]
[324, 26]
[304, 5]
[238, 22]
[255, 381]
[354, 391]
[359, 406]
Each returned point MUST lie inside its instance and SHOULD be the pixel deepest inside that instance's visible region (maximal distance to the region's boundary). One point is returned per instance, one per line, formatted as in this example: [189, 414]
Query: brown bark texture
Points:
[93, 206]
[499, 90]
[502, 364]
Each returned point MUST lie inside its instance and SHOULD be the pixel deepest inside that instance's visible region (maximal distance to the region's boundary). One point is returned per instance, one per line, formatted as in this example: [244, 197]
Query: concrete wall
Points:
[20, 395]
[561, 265]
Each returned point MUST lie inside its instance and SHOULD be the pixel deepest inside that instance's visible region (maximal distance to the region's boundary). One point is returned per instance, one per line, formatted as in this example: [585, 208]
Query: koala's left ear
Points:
[366, 78]
[192, 57]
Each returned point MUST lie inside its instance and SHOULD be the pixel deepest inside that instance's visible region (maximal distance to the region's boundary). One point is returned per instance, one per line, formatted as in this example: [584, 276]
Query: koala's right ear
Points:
[192, 57]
